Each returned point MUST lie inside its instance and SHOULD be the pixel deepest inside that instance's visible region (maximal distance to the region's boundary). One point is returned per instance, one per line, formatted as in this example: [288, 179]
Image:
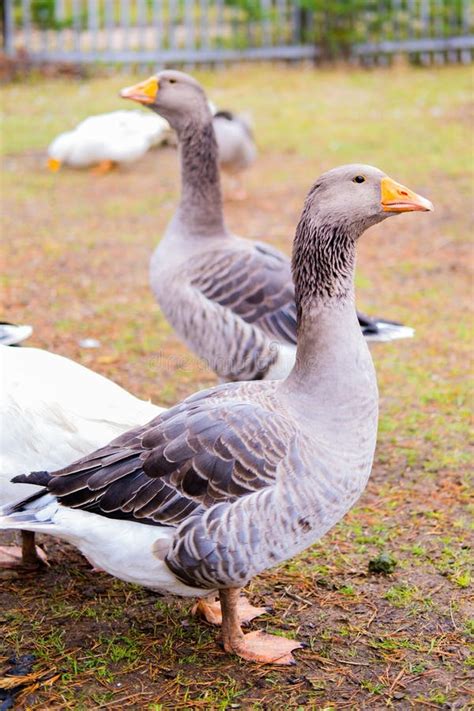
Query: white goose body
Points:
[54, 410]
[119, 137]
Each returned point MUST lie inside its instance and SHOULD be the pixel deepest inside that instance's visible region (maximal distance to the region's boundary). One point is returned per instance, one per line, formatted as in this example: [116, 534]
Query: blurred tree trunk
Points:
[3, 18]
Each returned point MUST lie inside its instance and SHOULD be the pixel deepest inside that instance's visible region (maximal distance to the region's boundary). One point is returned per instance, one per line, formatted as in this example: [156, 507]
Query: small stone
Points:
[89, 343]
[382, 564]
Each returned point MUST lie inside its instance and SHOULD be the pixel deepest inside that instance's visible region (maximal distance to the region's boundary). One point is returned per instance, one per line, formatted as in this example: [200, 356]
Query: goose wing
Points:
[256, 285]
[208, 449]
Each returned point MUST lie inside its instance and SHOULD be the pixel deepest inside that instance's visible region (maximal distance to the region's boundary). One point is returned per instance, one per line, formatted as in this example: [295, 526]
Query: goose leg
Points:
[255, 646]
[210, 610]
[30, 553]
[235, 189]
[105, 166]
[239, 192]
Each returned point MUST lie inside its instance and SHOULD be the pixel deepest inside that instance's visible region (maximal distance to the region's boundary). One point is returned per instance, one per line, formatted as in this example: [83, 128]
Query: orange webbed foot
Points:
[105, 166]
[265, 648]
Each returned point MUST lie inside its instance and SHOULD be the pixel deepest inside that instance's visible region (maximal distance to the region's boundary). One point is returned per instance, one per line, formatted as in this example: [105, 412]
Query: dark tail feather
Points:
[370, 325]
[225, 114]
[19, 505]
[383, 329]
[39, 478]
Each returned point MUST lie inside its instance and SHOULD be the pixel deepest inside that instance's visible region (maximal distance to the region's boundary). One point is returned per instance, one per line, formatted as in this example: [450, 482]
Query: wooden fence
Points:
[170, 32]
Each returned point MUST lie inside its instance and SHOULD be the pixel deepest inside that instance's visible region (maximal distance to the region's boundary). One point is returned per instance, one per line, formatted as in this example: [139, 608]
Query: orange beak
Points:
[398, 198]
[145, 92]
[54, 165]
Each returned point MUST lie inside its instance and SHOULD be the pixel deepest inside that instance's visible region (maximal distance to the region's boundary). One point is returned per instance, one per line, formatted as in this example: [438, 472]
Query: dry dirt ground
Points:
[77, 249]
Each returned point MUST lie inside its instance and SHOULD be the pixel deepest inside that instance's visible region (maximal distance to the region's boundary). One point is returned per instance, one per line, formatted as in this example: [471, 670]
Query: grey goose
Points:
[231, 300]
[236, 146]
[240, 477]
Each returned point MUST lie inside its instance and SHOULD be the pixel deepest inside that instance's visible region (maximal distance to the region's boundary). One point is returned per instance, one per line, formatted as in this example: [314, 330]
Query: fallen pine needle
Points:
[10, 682]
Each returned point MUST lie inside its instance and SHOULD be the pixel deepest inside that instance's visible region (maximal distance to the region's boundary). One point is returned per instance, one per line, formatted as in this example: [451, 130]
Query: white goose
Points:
[108, 139]
[240, 477]
[52, 411]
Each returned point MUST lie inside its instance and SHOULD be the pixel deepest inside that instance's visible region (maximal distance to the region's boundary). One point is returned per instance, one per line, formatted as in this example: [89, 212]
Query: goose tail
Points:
[12, 334]
[382, 330]
[34, 512]
[41, 478]
[388, 331]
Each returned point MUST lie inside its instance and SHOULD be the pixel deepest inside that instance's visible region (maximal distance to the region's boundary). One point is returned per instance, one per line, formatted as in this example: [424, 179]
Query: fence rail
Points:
[164, 32]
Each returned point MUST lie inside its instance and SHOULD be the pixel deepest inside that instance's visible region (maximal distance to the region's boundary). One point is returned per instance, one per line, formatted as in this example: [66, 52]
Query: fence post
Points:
[266, 23]
[109, 24]
[158, 23]
[59, 17]
[76, 25]
[59, 11]
[93, 24]
[8, 28]
[466, 54]
[425, 25]
[26, 22]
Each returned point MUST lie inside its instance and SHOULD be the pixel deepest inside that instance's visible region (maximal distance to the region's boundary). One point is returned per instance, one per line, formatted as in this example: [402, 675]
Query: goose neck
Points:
[200, 208]
[329, 338]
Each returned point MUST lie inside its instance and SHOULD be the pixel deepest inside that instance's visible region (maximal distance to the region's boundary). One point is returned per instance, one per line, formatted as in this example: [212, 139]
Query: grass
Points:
[77, 250]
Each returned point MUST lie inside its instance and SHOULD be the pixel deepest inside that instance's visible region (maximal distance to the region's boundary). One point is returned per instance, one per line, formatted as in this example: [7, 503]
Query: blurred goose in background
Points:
[236, 146]
[230, 299]
[240, 477]
[107, 140]
[52, 411]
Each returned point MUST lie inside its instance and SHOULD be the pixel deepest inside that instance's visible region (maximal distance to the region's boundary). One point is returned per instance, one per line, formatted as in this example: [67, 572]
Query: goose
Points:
[235, 141]
[235, 145]
[53, 410]
[108, 139]
[242, 476]
[231, 300]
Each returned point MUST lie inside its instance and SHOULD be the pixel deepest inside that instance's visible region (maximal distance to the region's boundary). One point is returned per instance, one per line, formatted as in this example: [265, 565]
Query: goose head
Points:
[357, 196]
[174, 95]
[340, 206]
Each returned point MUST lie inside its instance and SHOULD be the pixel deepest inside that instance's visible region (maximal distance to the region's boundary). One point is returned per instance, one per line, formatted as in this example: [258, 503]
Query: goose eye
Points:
[172, 81]
[358, 179]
